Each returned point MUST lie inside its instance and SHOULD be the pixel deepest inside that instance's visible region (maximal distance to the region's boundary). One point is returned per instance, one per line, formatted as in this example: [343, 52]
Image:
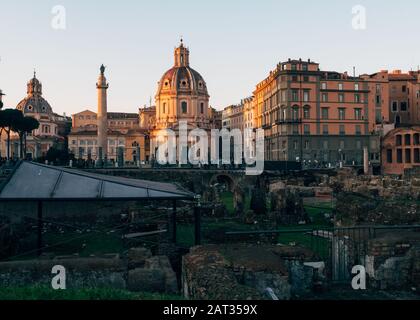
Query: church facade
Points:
[52, 131]
[181, 96]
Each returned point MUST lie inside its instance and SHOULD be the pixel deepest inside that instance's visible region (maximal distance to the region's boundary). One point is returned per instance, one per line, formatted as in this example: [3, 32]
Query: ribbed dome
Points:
[182, 79]
[34, 102]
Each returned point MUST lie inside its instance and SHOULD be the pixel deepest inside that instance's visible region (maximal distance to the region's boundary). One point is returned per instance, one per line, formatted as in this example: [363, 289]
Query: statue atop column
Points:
[102, 69]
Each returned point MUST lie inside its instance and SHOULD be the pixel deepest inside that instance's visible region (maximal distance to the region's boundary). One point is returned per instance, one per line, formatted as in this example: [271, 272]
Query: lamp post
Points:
[1, 99]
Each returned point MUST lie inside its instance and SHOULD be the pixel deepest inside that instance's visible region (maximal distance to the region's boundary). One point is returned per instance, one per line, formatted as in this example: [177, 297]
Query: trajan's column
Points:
[102, 87]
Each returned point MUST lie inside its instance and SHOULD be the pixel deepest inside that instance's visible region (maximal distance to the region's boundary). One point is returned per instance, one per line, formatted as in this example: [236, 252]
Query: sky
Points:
[233, 44]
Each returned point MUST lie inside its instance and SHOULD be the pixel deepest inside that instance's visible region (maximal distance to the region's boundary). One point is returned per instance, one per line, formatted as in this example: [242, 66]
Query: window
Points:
[283, 95]
[306, 113]
[306, 129]
[340, 86]
[357, 98]
[389, 155]
[294, 78]
[416, 139]
[295, 145]
[184, 107]
[373, 144]
[398, 140]
[341, 97]
[295, 95]
[305, 96]
[324, 86]
[358, 130]
[202, 107]
[399, 156]
[342, 114]
[356, 87]
[342, 129]
[416, 155]
[394, 106]
[294, 67]
[324, 113]
[325, 129]
[342, 145]
[164, 108]
[325, 97]
[295, 113]
[306, 145]
[407, 155]
[358, 144]
[403, 106]
[325, 144]
[407, 139]
[358, 114]
[305, 67]
[378, 99]
[404, 88]
[306, 79]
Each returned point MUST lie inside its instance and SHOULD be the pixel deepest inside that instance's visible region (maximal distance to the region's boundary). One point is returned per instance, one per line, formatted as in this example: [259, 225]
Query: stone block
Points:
[136, 257]
[147, 280]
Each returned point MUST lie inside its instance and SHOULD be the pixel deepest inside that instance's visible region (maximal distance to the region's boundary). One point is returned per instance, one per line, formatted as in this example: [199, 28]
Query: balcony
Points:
[288, 121]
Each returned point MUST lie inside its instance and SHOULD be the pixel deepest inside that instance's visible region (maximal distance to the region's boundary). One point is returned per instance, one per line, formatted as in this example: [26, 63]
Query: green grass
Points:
[86, 244]
[185, 234]
[47, 293]
[227, 200]
[317, 244]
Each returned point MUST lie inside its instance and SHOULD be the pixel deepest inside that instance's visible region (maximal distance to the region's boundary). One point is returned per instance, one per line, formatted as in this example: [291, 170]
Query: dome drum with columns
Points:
[182, 95]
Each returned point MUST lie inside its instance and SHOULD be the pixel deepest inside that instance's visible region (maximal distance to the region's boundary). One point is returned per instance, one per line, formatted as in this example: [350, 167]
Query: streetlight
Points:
[1, 99]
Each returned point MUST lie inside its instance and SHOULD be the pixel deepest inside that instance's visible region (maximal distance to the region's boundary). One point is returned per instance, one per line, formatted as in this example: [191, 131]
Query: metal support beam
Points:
[40, 225]
[197, 224]
[173, 222]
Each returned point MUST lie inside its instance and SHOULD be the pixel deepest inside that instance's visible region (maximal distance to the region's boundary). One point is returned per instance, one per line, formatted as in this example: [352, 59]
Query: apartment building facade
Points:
[404, 97]
[320, 117]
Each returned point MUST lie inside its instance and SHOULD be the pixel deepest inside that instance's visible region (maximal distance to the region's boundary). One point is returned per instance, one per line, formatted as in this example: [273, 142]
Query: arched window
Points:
[184, 107]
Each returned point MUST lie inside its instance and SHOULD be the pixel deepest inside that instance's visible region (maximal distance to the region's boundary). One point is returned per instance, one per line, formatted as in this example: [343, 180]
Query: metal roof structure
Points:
[31, 181]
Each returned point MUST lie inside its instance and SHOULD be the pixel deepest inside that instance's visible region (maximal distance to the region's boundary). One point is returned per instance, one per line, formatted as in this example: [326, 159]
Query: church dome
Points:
[181, 78]
[34, 102]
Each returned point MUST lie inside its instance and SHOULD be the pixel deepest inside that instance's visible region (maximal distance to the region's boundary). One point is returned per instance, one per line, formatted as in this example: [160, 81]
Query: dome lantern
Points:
[34, 87]
[182, 56]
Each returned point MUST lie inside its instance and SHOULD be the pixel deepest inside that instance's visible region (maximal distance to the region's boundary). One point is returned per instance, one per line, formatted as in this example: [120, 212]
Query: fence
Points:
[340, 248]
